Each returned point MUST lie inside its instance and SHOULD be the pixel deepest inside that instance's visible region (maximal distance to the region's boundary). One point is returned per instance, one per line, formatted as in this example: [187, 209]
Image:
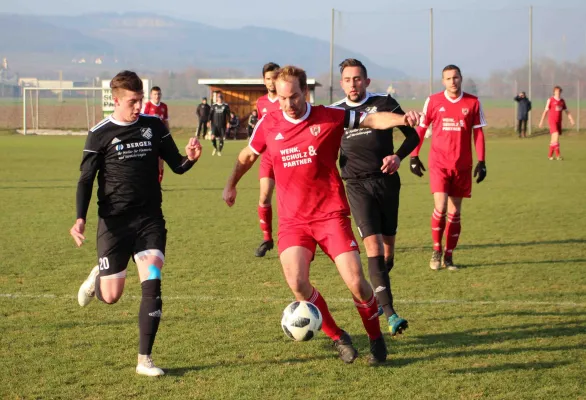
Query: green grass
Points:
[510, 325]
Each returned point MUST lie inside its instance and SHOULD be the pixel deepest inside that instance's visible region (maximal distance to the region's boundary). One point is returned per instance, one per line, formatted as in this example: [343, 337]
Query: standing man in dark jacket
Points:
[523, 108]
[203, 114]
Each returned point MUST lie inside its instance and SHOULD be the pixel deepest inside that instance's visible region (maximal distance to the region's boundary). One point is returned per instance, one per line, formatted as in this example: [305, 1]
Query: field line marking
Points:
[203, 298]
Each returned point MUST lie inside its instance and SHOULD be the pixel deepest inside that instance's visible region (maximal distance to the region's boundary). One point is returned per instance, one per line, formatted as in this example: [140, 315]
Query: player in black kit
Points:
[124, 150]
[369, 167]
[220, 119]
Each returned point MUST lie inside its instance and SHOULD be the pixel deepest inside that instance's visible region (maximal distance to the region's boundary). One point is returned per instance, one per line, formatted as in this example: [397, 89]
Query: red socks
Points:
[438, 223]
[369, 313]
[328, 324]
[265, 216]
[453, 229]
[554, 147]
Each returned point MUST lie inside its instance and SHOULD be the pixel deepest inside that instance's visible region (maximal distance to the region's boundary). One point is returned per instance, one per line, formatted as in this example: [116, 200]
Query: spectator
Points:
[252, 120]
[234, 125]
[523, 108]
[203, 114]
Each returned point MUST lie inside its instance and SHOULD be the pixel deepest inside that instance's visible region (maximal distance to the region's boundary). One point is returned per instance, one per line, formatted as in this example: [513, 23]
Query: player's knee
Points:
[301, 288]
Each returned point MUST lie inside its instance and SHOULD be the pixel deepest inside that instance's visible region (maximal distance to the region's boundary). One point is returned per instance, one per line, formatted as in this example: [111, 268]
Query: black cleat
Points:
[449, 264]
[264, 247]
[378, 351]
[346, 351]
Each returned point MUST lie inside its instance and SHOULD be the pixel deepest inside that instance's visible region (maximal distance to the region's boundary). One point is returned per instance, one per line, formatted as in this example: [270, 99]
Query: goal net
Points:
[57, 111]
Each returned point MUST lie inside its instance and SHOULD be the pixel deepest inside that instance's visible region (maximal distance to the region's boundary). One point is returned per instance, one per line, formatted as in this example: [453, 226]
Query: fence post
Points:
[24, 110]
[578, 111]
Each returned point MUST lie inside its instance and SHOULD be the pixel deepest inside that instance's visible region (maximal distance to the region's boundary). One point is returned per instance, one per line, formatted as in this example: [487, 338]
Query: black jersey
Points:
[125, 157]
[220, 114]
[363, 149]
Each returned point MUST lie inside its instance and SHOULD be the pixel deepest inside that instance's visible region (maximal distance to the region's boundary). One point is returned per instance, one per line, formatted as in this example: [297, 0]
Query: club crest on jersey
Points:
[314, 129]
[465, 111]
[371, 110]
[146, 133]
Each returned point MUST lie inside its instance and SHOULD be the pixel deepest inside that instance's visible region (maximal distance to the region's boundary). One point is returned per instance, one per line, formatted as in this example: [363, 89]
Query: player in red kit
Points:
[555, 106]
[159, 109]
[303, 144]
[265, 105]
[457, 120]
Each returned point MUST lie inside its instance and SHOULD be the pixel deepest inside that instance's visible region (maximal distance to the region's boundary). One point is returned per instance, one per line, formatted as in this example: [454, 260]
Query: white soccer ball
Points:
[301, 321]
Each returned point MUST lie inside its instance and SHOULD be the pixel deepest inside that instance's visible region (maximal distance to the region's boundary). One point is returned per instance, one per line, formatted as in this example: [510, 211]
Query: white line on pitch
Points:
[329, 300]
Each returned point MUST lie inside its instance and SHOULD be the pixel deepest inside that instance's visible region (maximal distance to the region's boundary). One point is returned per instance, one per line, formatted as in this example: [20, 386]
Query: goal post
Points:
[58, 110]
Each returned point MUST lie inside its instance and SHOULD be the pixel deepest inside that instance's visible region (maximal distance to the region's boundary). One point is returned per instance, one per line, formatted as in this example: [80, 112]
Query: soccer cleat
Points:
[378, 351]
[264, 247]
[449, 264]
[87, 290]
[346, 351]
[550, 158]
[559, 159]
[436, 260]
[397, 324]
[214, 152]
[146, 366]
[220, 153]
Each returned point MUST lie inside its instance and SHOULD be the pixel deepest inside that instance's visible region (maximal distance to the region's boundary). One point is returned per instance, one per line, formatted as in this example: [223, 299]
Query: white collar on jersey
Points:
[121, 123]
[155, 104]
[300, 120]
[453, 100]
[361, 102]
[273, 101]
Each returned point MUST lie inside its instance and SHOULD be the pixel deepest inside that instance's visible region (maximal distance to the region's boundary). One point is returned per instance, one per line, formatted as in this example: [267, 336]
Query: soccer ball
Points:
[301, 320]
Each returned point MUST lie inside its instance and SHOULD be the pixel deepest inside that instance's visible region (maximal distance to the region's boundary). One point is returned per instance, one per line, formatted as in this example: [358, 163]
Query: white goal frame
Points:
[35, 111]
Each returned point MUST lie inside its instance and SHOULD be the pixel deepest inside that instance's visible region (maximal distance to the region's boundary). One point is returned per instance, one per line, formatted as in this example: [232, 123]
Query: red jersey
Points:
[264, 105]
[158, 110]
[555, 108]
[453, 122]
[304, 154]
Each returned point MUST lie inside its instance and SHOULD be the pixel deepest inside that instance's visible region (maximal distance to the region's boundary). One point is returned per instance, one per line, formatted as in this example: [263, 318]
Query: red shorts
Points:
[555, 127]
[266, 168]
[334, 236]
[456, 183]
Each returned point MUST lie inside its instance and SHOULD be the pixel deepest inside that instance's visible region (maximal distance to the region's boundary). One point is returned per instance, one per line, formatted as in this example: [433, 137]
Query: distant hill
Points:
[147, 41]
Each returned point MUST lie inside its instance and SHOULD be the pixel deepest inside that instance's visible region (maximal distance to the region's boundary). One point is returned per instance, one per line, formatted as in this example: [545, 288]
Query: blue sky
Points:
[479, 35]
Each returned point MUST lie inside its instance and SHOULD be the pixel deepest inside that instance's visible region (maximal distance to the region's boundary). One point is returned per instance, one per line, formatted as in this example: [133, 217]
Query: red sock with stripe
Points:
[265, 216]
[438, 224]
[453, 229]
[369, 313]
[329, 326]
[551, 148]
[557, 149]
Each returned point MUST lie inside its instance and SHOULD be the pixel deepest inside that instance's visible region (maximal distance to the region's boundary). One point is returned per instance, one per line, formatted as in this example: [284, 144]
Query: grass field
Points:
[510, 325]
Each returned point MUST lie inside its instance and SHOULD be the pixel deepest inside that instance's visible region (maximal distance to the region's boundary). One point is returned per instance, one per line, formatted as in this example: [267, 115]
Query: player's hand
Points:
[229, 195]
[541, 124]
[391, 164]
[411, 118]
[571, 121]
[77, 231]
[416, 166]
[193, 149]
[480, 171]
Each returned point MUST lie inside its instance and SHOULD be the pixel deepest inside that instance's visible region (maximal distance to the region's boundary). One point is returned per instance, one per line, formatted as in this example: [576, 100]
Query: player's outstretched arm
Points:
[245, 161]
[387, 120]
[544, 114]
[170, 153]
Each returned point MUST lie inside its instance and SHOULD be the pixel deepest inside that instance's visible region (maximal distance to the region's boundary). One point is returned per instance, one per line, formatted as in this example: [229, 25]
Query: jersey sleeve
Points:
[564, 107]
[258, 108]
[479, 120]
[91, 162]
[165, 113]
[427, 112]
[547, 105]
[258, 143]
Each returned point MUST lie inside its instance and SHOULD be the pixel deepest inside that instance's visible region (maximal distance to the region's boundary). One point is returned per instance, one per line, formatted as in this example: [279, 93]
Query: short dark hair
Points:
[289, 71]
[155, 89]
[269, 67]
[557, 88]
[452, 67]
[126, 80]
[352, 62]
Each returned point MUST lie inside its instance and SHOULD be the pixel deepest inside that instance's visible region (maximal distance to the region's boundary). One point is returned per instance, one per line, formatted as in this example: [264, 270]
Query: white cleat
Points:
[146, 366]
[220, 153]
[87, 290]
[214, 152]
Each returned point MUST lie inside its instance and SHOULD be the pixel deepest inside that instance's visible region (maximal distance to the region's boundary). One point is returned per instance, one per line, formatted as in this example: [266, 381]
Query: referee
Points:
[369, 166]
[124, 150]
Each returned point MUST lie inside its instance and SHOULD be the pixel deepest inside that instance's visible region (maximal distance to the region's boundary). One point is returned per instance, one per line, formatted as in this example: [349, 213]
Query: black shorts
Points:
[374, 203]
[219, 131]
[121, 237]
